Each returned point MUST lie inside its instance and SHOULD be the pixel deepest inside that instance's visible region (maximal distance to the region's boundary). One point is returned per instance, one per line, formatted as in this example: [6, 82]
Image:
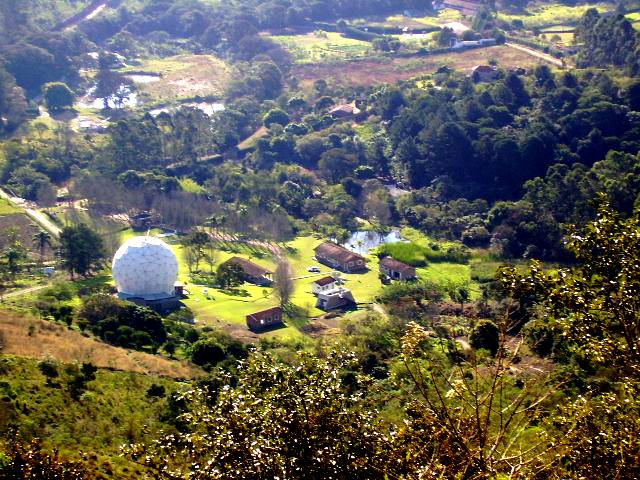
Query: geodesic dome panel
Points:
[145, 267]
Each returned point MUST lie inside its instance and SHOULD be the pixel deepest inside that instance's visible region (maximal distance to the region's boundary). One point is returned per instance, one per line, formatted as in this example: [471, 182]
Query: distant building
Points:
[339, 257]
[253, 273]
[518, 70]
[336, 298]
[265, 319]
[483, 42]
[324, 284]
[484, 73]
[397, 270]
[143, 220]
[346, 110]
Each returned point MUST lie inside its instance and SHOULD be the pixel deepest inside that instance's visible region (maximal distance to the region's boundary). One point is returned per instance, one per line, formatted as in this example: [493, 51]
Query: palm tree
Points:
[41, 240]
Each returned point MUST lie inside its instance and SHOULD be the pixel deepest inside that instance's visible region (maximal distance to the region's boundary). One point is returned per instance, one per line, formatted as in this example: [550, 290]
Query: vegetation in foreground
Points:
[532, 374]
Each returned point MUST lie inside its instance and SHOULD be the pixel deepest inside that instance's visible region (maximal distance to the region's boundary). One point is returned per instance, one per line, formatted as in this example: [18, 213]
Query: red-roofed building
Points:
[324, 284]
[253, 273]
[397, 270]
[265, 319]
[484, 73]
[339, 257]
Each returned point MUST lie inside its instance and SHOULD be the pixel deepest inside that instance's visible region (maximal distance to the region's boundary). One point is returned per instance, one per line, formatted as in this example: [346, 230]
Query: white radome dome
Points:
[145, 267]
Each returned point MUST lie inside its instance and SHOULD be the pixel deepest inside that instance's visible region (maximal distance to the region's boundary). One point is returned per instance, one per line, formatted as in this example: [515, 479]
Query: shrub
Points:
[485, 335]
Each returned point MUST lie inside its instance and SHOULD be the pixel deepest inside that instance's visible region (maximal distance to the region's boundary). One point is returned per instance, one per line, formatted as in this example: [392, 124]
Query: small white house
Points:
[324, 284]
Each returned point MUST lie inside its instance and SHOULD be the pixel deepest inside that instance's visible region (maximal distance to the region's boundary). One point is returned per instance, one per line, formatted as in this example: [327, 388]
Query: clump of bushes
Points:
[419, 256]
[485, 335]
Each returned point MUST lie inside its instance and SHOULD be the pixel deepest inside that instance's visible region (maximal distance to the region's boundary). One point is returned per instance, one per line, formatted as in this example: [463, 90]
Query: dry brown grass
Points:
[30, 337]
[374, 71]
[186, 76]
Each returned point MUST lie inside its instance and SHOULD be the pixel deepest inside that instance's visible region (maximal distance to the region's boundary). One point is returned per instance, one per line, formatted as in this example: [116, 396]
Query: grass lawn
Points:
[183, 77]
[400, 21]
[46, 14]
[566, 38]
[7, 208]
[544, 15]
[323, 47]
[228, 309]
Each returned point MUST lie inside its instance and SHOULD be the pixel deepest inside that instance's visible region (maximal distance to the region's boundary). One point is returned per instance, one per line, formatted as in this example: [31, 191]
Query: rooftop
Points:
[397, 265]
[325, 281]
[270, 312]
[250, 268]
[341, 254]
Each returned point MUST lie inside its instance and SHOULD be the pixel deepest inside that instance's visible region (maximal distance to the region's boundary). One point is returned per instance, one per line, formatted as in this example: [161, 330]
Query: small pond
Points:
[362, 241]
[89, 101]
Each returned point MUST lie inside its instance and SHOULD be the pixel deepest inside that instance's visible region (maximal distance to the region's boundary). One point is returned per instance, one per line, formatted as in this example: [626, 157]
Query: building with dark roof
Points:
[253, 273]
[324, 284]
[339, 258]
[397, 270]
[346, 110]
[265, 319]
[484, 73]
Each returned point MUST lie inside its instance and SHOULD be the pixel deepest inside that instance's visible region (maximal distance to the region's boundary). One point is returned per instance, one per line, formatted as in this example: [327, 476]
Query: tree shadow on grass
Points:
[270, 328]
[296, 316]
[235, 292]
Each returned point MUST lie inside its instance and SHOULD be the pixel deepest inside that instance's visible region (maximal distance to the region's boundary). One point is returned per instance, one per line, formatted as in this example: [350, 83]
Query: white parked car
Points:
[314, 269]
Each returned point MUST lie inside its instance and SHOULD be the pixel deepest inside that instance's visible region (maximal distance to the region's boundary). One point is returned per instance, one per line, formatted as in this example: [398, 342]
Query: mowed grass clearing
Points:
[392, 70]
[183, 77]
[228, 309]
[544, 15]
[401, 21]
[323, 47]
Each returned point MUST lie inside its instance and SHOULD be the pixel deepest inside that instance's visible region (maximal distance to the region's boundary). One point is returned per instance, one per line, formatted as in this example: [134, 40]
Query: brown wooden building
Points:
[397, 270]
[339, 258]
[253, 273]
[265, 319]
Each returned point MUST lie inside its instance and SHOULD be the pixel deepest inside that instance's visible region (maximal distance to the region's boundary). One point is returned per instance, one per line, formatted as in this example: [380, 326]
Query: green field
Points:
[323, 47]
[545, 15]
[228, 309]
[7, 208]
[90, 423]
[400, 21]
[47, 13]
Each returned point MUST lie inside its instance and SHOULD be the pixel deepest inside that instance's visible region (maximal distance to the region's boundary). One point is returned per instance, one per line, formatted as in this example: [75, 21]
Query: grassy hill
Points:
[111, 412]
[30, 337]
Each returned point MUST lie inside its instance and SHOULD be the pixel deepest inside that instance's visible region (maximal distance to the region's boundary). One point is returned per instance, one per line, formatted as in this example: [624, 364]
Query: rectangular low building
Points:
[336, 298]
[396, 270]
[253, 273]
[484, 73]
[265, 319]
[339, 258]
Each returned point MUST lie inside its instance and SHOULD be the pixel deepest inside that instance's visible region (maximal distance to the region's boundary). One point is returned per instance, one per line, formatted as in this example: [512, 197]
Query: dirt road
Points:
[35, 215]
[24, 291]
[536, 53]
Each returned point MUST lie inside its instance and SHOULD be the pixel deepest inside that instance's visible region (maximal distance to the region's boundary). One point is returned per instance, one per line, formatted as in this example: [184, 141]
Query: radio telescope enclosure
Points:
[145, 269]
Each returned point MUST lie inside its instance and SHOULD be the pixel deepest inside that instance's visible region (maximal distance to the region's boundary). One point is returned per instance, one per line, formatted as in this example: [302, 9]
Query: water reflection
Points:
[362, 241]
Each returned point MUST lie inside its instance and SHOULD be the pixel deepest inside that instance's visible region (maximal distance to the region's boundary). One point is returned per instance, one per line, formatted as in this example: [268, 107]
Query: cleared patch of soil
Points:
[392, 70]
